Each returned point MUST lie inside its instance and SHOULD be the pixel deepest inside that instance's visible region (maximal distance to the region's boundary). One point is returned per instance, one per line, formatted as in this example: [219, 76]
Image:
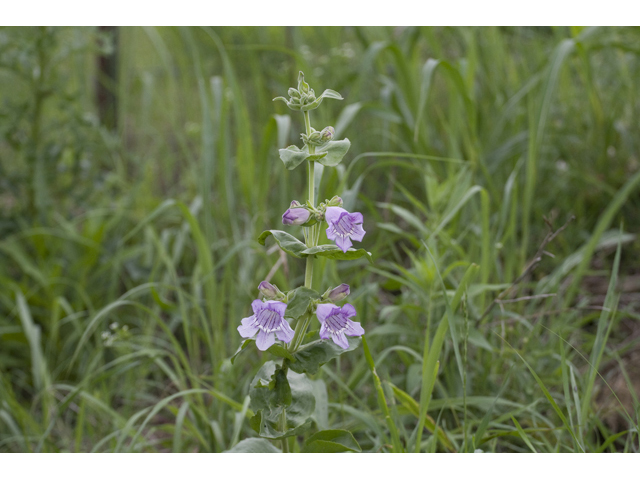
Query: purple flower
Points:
[296, 215]
[339, 293]
[268, 321]
[344, 227]
[335, 323]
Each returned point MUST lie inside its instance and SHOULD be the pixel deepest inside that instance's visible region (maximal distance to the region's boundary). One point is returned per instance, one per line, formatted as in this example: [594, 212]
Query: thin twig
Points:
[282, 260]
[530, 267]
[534, 316]
[528, 297]
[273, 270]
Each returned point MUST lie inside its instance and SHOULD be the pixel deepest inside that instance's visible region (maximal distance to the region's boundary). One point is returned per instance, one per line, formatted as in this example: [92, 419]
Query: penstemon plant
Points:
[283, 323]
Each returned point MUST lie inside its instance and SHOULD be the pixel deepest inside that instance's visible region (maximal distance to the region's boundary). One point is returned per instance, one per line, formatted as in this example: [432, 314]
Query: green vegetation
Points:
[128, 257]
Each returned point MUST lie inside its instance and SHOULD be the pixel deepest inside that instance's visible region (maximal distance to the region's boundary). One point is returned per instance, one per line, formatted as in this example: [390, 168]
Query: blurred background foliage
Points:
[139, 165]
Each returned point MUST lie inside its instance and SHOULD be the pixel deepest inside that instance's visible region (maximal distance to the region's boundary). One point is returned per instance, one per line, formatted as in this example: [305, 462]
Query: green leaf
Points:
[32, 332]
[292, 156]
[287, 242]
[267, 425]
[269, 403]
[328, 93]
[333, 252]
[295, 247]
[253, 445]
[241, 349]
[275, 349]
[299, 304]
[271, 392]
[333, 152]
[282, 388]
[331, 441]
[290, 104]
[429, 423]
[312, 356]
[321, 412]
[280, 351]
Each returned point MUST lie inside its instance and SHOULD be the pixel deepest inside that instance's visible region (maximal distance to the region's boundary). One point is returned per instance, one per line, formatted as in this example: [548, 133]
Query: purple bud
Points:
[327, 133]
[295, 216]
[339, 293]
[269, 291]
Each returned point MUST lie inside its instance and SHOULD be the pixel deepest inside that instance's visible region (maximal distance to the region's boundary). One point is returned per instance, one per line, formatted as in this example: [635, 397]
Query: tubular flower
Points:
[336, 324]
[296, 215]
[268, 322]
[344, 227]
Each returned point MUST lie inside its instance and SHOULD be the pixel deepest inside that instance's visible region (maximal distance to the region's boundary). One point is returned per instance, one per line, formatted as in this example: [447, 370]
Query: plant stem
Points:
[311, 240]
[299, 333]
[283, 425]
[311, 237]
[312, 168]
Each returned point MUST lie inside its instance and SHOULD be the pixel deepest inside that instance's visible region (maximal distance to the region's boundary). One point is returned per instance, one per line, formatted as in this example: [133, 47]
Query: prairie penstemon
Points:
[343, 227]
[282, 396]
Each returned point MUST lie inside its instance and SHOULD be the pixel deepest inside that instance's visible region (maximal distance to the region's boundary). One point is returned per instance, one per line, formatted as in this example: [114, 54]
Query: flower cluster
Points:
[268, 320]
[318, 139]
[304, 98]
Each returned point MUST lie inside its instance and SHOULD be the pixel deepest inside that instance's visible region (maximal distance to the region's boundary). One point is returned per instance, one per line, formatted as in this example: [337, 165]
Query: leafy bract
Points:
[329, 155]
[328, 93]
[241, 348]
[292, 156]
[334, 253]
[286, 241]
[294, 104]
[299, 304]
[312, 356]
[333, 152]
[275, 349]
[280, 351]
[296, 248]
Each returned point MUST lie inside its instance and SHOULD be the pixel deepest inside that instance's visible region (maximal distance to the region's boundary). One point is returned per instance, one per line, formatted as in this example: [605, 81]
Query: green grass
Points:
[128, 258]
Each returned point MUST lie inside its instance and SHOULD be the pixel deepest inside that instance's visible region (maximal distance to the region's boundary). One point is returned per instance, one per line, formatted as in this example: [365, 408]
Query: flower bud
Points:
[303, 87]
[336, 201]
[269, 291]
[295, 215]
[339, 293]
[293, 93]
[314, 138]
[327, 134]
